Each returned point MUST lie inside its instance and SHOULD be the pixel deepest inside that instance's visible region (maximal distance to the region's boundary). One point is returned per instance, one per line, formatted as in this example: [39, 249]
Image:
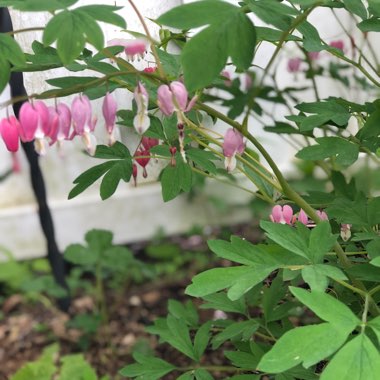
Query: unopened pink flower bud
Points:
[149, 142]
[173, 151]
[283, 215]
[150, 70]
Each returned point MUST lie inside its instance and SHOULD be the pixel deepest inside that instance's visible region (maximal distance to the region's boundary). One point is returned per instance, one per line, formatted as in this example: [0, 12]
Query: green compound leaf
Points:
[327, 308]
[119, 167]
[345, 152]
[227, 24]
[197, 14]
[72, 28]
[317, 276]
[356, 7]
[147, 367]
[175, 179]
[239, 279]
[307, 345]
[359, 359]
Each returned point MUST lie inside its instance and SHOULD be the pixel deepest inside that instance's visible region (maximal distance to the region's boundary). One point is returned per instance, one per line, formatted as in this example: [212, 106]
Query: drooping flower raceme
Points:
[9, 130]
[83, 122]
[283, 215]
[233, 143]
[141, 121]
[109, 109]
[35, 124]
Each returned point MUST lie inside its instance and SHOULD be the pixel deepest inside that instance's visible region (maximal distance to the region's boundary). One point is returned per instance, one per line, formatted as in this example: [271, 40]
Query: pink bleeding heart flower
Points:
[174, 98]
[246, 82]
[35, 124]
[142, 157]
[233, 143]
[83, 122]
[345, 231]
[132, 48]
[228, 79]
[149, 142]
[9, 129]
[294, 65]
[338, 44]
[141, 121]
[303, 218]
[322, 215]
[60, 122]
[109, 113]
[283, 215]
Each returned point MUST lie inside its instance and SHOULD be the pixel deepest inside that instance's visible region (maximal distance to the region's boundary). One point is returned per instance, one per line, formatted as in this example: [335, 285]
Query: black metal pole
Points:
[54, 256]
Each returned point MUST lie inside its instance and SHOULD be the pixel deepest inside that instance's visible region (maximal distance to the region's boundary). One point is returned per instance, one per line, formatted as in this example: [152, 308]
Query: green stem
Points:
[213, 368]
[352, 288]
[374, 290]
[196, 170]
[100, 294]
[297, 21]
[33, 29]
[365, 313]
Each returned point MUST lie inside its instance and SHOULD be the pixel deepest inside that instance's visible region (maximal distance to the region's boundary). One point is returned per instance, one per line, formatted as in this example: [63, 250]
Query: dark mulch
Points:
[27, 328]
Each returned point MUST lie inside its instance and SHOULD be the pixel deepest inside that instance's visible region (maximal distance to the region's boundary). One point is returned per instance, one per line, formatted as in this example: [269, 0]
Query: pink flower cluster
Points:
[294, 64]
[285, 215]
[47, 125]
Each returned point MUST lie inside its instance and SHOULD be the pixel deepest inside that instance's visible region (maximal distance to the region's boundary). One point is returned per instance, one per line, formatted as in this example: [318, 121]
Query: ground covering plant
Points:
[304, 303]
